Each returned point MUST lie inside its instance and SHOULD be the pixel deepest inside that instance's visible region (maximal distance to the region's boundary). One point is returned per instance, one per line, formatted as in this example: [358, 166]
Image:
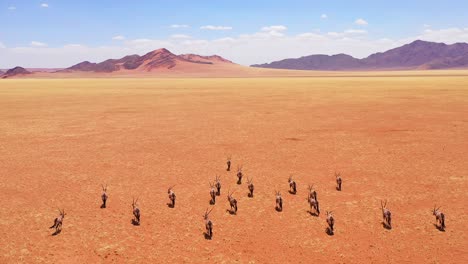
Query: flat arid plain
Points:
[403, 138]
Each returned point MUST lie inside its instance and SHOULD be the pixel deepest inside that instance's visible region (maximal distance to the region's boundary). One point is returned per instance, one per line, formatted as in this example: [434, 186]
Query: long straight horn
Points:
[210, 210]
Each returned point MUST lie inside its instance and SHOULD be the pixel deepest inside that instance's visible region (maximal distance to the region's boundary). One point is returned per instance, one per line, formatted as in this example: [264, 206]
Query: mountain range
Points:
[160, 59]
[14, 72]
[422, 55]
[417, 55]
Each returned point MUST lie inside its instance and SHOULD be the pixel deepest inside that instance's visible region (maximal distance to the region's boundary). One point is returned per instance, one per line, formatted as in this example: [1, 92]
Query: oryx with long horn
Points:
[386, 214]
[172, 196]
[338, 180]
[136, 212]
[440, 218]
[279, 202]
[239, 174]
[104, 196]
[58, 221]
[228, 163]
[218, 185]
[292, 185]
[251, 187]
[212, 193]
[330, 222]
[232, 203]
[312, 192]
[208, 224]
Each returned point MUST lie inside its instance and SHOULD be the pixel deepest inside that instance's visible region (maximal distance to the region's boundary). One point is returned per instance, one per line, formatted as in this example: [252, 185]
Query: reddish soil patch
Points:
[395, 138]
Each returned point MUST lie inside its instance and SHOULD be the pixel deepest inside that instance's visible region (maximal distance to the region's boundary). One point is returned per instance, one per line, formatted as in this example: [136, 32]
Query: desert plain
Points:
[401, 137]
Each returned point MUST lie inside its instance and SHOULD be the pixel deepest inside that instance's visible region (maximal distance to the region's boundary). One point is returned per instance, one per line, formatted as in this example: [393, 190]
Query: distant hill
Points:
[415, 55]
[15, 72]
[160, 59]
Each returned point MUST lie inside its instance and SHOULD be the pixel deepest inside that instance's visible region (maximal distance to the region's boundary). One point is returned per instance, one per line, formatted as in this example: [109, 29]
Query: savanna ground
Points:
[404, 139]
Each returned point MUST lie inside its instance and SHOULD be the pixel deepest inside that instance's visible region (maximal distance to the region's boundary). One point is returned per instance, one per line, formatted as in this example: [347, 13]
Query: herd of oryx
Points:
[215, 191]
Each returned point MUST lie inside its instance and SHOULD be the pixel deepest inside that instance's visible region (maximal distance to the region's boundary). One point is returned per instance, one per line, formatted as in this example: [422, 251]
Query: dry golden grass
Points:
[404, 139]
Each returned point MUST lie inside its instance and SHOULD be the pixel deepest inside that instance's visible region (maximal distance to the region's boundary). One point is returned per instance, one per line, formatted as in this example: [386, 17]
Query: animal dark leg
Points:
[55, 223]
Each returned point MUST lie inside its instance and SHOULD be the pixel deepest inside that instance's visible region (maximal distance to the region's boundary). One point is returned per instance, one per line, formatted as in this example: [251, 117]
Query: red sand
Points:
[401, 139]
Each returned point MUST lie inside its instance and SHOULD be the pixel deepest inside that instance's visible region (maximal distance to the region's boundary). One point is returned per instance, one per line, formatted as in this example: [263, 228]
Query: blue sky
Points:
[61, 33]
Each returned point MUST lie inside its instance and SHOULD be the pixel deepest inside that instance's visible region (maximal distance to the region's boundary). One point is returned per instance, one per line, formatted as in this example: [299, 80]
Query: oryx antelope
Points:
[172, 196]
[440, 218]
[279, 202]
[292, 185]
[314, 206]
[330, 222]
[58, 221]
[218, 185]
[136, 212]
[208, 224]
[312, 192]
[104, 196]
[386, 214]
[338, 181]
[239, 174]
[228, 162]
[250, 186]
[212, 193]
[232, 203]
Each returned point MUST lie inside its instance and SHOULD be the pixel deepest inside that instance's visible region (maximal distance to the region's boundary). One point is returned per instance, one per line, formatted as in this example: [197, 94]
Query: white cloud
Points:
[73, 45]
[12, 8]
[180, 36]
[44, 5]
[2, 46]
[210, 27]
[426, 25]
[324, 16]
[119, 37]
[355, 31]
[275, 28]
[361, 22]
[38, 44]
[271, 31]
[447, 35]
[179, 26]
